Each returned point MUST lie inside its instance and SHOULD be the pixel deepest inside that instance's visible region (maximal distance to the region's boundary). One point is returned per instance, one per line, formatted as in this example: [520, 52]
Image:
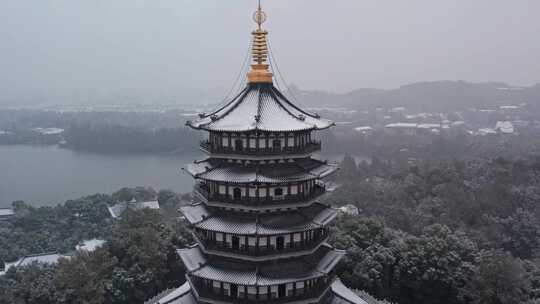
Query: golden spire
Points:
[259, 72]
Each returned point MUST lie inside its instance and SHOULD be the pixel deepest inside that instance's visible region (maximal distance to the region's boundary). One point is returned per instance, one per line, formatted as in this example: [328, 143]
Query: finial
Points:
[259, 16]
[260, 72]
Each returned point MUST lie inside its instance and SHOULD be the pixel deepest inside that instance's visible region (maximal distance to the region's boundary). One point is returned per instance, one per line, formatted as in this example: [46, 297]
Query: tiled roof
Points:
[117, 210]
[343, 295]
[223, 171]
[260, 107]
[296, 269]
[181, 295]
[317, 215]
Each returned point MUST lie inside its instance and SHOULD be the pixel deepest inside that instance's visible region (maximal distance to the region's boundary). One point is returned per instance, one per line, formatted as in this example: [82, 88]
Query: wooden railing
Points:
[308, 148]
[315, 292]
[262, 251]
[205, 194]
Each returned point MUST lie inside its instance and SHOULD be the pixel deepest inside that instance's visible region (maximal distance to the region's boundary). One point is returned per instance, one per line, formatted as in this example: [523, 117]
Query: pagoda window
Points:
[243, 243]
[242, 292]
[278, 192]
[216, 286]
[280, 243]
[273, 292]
[276, 144]
[222, 189]
[287, 240]
[227, 289]
[252, 242]
[297, 238]
[263, 242]
[238, 145]
[290, 289]
[300, 286]
[219, 237]
[237, 193]
[235, 242]
[252, 292]
[263, 293]
[252, 192]
[252, 143]
[294, 189]
[273, 241]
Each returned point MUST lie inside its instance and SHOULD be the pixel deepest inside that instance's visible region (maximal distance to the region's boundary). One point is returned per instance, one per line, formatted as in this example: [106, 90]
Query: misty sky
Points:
[163, 46]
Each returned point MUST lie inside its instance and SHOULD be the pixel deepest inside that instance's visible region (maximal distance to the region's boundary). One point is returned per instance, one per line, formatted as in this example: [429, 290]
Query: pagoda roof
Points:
[260, 107]
[315, 216]
[230, 271]
[343, 295]
[220, 170]
[180, 295]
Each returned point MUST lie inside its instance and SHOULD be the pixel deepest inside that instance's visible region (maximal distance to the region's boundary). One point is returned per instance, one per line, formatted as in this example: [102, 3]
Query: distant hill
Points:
[427, 96]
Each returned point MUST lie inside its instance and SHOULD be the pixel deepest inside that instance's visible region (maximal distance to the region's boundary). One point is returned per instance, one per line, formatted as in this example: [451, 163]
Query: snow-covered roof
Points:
[180, 295]
[315, 216]
[486, 131]
[404, 125]
[90, 245]
[363, 128]
[5, 212]
[428, 126]
[260, 107]
[505, 127]
[223, 171]
[508, 107]
[49, 131]
[318, 264]
[343, 295]
[117, 210]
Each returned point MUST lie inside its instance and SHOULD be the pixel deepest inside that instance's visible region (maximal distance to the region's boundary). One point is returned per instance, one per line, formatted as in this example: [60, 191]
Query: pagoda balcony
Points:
[314, 294]
[222, 200]
[312, 147]
[256, 254]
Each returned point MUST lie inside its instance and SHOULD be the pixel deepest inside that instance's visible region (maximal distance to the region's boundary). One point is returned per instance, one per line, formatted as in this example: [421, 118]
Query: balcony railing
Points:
[203, 192]
[262, 251]
[315, 146]
[314, 293]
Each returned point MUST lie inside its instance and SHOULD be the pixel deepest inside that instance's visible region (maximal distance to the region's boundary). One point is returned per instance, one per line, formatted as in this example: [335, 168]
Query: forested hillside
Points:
[442, 232]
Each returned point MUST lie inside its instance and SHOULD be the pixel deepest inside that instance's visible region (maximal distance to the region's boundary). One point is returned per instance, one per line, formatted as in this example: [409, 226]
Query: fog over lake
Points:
[48, 175]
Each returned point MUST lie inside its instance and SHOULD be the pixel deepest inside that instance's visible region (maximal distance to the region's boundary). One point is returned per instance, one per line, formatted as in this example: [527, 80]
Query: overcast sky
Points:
[340, 45]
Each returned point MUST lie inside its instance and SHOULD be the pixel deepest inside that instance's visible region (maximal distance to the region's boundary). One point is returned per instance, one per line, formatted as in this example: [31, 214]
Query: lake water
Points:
[48, 175]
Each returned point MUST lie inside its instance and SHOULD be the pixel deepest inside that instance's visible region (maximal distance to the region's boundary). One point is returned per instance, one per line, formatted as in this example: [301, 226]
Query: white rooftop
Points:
[47, 258]
[428, 126]
[117, 210]
[486, 131]
[404, 125]
[260, 107]
[6, 212]
[90, 245]
[49, 131]
[363, 128]
[505, 127]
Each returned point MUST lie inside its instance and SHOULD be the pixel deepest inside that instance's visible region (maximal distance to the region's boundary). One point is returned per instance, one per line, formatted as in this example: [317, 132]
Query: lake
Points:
[49, 175]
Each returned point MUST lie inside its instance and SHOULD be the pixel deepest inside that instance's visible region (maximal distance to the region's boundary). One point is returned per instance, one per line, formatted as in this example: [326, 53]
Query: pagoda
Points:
[261, 233]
